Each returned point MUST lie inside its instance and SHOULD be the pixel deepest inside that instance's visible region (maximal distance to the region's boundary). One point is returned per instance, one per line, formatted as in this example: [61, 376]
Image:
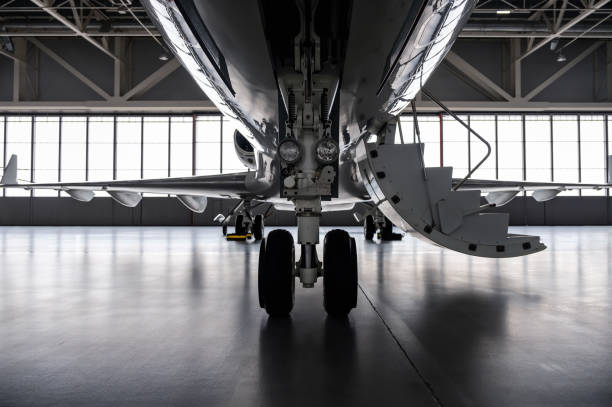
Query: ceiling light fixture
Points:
[561, 57]
[506, 12]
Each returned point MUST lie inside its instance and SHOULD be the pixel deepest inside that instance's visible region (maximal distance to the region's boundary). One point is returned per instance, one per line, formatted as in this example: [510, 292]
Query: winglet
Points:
[10, 172]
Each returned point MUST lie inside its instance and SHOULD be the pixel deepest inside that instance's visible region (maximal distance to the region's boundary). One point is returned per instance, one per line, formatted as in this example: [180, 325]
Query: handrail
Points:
[469, 174]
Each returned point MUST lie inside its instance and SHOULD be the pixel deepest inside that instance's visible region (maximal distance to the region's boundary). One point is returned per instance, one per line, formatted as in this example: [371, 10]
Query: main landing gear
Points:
[278, 270]
[246, 225]
[380, 226]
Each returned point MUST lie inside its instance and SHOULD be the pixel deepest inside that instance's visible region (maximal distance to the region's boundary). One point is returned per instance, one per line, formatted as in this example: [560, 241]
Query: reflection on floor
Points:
[168, 316]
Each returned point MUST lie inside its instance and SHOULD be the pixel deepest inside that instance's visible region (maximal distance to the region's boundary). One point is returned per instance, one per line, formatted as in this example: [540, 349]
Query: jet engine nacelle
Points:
[245, 150]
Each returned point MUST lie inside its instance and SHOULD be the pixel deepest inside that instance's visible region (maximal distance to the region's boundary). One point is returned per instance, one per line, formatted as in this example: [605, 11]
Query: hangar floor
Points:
[169, 316]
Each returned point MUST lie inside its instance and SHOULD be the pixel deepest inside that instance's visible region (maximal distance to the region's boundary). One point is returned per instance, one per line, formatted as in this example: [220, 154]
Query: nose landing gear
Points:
[278, 270]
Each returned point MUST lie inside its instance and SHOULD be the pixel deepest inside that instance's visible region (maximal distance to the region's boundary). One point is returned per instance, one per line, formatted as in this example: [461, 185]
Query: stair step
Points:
[421, 199]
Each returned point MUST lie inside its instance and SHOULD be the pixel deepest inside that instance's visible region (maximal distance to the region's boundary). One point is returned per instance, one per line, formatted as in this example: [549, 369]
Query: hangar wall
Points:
[153, 211]
[49, 82]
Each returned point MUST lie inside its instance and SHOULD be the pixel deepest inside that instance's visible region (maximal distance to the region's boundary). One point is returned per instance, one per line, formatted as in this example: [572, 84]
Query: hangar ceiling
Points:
[106, 56]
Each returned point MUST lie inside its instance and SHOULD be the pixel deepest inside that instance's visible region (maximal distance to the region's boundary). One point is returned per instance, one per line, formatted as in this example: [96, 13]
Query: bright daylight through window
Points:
[532, 147]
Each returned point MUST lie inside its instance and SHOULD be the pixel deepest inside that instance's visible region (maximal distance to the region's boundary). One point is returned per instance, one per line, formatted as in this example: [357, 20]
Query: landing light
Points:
[326, 151]
[290, 151]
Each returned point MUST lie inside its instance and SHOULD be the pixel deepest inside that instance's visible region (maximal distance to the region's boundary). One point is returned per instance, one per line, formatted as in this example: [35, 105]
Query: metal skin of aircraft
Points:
[315, 89]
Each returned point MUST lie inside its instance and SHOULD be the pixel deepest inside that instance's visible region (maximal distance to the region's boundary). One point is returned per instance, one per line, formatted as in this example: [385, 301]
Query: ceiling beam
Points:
[74, 71]
[566, 26]
[477, 77]
[53, 13]
[152, 79]
[552, 78]
[513, 107]
[101, 106]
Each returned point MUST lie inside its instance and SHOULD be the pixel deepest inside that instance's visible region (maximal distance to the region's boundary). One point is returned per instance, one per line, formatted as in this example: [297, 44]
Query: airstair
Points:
[420, 199]
[423, 199]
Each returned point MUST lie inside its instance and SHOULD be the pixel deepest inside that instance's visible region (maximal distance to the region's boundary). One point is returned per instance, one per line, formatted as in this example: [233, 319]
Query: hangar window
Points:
[208, 143]
[485, 126]
[230, 162]
[557, 147]
[550, 147]
[101, 131]
[538, 152]
[46, 152]
[19, 141]
[456, 144]
[155, 142]
[565, 150]
[128, 153]
[181, 146]
[510, 147]
[73, 149]
[592, 155]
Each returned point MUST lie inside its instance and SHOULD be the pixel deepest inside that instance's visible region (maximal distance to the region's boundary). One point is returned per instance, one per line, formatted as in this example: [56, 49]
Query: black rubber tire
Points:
[262, 264]
[386, 230]
[258, 227]
[369, 228]
[239, 224]
[276, 273]
[340, 273]
[224, 229]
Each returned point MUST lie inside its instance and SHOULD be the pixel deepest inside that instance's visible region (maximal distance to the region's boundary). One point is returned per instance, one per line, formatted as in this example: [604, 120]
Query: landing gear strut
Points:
[309, 156]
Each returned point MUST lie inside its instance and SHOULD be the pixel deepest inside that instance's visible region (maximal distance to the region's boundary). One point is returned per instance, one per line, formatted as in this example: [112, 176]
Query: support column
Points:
[19, 69]
[515, 67]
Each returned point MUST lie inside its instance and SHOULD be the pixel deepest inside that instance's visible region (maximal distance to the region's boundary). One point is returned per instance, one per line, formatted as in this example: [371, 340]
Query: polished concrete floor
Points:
[169, 316]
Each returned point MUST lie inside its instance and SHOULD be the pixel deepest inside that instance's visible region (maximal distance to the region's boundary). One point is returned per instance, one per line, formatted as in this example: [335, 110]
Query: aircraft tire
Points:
[239, 230]
[340, 273]
[368, 227]
[275, 276]
[386, 230]
[258, 227]
[260, 271]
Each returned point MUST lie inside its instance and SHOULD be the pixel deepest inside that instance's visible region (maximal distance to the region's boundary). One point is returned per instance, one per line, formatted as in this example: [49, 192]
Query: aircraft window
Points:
[206, 41]
[18, 141]
[46, 151]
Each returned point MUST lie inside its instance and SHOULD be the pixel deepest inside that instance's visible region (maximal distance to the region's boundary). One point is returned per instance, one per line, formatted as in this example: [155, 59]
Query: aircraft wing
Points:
[502, 192]
[191, 191]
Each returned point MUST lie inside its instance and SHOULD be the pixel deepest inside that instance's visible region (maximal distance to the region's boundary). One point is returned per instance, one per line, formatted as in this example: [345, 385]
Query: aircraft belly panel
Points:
[236, 28]
[392, 49]
[222, 46]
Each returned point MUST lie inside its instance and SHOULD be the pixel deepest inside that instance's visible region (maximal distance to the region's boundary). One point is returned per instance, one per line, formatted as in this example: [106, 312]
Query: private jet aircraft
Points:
[316, 89]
